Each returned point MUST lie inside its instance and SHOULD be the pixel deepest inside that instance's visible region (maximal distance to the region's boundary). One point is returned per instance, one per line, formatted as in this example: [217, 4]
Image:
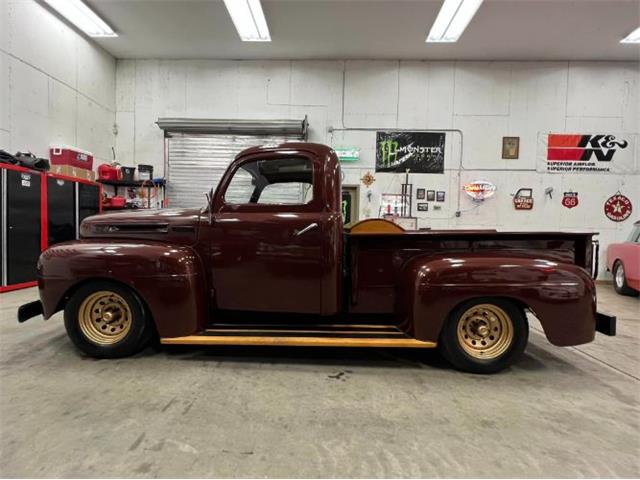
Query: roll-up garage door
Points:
[197, 159]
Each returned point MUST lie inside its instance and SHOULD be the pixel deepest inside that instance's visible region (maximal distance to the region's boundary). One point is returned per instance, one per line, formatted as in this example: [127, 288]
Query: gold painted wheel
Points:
[485, 331]
[104, 318]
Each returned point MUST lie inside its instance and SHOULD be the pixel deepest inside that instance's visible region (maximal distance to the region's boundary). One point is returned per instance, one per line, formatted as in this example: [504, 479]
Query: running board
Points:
[308, 336]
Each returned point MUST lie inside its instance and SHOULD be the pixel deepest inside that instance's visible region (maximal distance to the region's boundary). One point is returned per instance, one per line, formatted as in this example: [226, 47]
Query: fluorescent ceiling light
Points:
[82, 17]
[453, 18]
[633, 37]
[248, 17]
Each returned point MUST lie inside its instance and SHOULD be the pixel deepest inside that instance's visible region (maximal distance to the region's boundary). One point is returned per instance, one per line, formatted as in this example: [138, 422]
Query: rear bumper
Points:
[606, 324]
[29, 310]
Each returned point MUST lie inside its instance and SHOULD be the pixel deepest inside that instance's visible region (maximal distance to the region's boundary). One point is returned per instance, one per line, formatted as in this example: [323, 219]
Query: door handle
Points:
[311, 226]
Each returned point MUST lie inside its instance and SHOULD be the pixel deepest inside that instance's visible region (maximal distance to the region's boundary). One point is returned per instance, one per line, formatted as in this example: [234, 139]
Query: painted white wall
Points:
[486, 100]
[56, 86]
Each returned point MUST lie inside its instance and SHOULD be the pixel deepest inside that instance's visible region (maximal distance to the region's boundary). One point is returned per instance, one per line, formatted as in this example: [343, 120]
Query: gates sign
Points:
[523, 199]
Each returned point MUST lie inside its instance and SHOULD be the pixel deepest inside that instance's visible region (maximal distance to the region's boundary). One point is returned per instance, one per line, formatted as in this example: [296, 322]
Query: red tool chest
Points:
[38, 210]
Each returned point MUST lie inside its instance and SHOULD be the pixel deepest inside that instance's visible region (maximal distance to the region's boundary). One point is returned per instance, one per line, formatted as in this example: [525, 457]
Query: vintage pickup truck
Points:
[267, 261]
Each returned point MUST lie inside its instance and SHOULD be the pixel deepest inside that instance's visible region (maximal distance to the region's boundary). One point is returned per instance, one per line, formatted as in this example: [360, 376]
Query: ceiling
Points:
[381, 29]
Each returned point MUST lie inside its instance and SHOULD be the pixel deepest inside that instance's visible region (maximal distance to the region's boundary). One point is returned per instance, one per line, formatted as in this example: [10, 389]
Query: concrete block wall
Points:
[485, 100]
[56, 86]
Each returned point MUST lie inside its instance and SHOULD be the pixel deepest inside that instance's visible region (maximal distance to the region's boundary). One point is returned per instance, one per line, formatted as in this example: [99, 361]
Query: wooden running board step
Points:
[302, 336]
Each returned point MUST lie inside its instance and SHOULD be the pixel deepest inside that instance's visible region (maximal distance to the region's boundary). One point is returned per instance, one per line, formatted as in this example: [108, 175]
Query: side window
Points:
[287, 181]
[240, 188]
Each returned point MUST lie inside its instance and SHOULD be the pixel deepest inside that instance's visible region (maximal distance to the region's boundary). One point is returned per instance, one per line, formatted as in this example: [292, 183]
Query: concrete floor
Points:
[260, 412]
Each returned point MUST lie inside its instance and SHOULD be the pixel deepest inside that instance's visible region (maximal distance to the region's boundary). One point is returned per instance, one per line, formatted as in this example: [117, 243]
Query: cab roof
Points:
[316, 148]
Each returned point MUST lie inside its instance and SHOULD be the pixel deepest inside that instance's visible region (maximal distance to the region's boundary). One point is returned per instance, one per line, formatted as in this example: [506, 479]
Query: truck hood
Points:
[167, 225]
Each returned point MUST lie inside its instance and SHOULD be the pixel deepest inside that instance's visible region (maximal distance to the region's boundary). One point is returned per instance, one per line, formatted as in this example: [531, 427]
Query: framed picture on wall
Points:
[420, 193]
[510, 148]
[440, 197]
[423, 207]
[431, 195]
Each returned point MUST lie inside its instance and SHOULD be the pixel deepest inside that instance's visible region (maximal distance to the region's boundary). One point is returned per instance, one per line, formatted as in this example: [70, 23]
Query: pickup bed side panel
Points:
[562, 296]
[168, 278]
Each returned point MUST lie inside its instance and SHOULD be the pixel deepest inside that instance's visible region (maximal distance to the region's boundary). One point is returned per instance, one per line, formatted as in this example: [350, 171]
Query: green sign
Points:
[347, 154]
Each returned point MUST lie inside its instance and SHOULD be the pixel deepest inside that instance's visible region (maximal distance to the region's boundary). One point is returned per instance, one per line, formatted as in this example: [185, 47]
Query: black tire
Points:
[507, 352]
[620, 280]
[138, 333]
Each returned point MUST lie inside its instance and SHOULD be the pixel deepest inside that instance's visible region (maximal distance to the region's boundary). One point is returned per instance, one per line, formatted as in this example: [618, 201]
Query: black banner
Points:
[419, 152]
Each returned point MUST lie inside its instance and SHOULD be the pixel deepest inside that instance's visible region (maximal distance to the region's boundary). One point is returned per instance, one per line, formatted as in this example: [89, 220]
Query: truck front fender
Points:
[562, 296]
[168, 278]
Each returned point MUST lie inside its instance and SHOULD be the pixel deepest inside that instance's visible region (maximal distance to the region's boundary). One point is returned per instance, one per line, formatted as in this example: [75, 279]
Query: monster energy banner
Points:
[419, 152]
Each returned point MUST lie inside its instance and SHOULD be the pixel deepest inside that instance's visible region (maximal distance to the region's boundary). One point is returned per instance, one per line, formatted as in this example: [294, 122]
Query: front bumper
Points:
[29, 310]
[606, 324]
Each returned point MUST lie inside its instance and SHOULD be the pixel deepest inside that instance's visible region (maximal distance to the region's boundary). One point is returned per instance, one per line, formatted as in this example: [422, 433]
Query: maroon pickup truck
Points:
[268, 261]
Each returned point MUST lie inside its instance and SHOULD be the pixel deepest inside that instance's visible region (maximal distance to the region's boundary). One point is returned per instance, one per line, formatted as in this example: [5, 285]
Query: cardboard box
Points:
[75, 172]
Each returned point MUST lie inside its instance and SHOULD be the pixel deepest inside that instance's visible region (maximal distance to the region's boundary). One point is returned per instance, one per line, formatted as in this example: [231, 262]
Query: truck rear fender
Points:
[562, 296]
[169, 279]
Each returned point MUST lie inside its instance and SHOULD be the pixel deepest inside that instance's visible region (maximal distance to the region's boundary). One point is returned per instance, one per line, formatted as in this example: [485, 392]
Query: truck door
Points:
[266, 235]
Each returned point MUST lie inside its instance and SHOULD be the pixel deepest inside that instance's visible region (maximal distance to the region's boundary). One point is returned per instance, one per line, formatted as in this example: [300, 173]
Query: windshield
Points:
[634, 236]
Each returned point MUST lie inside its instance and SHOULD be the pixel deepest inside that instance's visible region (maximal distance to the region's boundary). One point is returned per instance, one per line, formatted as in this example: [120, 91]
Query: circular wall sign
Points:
[617, 208]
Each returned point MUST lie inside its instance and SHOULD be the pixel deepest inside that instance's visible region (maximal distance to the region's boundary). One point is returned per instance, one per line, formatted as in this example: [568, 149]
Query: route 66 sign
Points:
[617, 208]
[570, 199]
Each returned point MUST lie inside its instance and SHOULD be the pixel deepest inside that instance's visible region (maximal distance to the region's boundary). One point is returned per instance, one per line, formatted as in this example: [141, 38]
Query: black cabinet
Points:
[22, 225]
[88, 200]
[61, 208]
[3, 230]
[38, 210]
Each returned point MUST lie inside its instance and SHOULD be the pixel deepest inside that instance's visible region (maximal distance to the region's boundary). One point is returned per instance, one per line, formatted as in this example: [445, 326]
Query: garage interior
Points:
[159, 100]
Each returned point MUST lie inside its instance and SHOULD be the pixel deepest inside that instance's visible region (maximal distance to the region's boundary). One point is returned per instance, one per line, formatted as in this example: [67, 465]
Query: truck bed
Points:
[375, 259]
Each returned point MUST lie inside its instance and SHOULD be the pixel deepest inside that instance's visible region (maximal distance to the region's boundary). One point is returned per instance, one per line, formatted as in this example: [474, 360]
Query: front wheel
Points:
[620, 280]
[484, 335]
[107, 320]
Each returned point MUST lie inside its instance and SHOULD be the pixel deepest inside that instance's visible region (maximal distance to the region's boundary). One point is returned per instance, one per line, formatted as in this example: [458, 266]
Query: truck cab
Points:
[274, 228]
[268, 261]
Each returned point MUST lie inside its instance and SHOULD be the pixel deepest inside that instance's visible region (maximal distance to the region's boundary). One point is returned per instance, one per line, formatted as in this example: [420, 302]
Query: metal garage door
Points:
[200, 150]
[196, 162]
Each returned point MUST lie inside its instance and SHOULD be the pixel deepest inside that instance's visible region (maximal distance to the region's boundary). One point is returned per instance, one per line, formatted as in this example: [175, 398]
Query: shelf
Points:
[133, 183]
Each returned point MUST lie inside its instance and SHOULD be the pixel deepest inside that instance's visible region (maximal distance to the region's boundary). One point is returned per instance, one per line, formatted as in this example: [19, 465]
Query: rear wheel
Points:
[484, 335]
[620, 280]
[107, 320]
